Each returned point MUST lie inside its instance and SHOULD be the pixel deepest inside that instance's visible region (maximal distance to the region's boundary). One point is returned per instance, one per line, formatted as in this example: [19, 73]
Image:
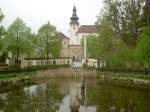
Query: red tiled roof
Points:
[87, 29]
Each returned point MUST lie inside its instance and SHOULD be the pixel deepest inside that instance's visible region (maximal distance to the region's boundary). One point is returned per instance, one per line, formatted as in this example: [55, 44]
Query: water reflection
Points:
[75, 101]
[36, 98]
[74, 96]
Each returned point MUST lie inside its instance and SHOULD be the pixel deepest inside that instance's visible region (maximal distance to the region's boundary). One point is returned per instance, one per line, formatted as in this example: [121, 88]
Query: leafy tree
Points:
[106, 40]
[119, 27]
[39, 47]
[144, 45]
[17, 40]
[92, 48]
[2, 30]
[30, 44]
[125, 16]
[46, 33]
[56, 45]
[146, 14]
[48, 41]
[3, 54]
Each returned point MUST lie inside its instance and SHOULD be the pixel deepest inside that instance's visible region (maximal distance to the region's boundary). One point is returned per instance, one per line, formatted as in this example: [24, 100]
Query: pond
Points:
[68, 95]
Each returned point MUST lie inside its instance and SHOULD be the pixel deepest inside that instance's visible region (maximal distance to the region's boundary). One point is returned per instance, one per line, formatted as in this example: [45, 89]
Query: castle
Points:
[77, 33]
[72, 50]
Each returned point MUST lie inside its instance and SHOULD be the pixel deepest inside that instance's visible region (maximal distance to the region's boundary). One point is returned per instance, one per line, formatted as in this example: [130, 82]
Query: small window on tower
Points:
[74, 28]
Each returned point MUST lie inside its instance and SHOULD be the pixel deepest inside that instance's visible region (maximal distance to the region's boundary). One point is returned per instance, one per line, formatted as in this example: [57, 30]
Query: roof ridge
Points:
[87, 29]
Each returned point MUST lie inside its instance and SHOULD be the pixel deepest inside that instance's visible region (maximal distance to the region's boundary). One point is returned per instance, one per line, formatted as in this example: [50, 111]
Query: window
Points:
[74, 28]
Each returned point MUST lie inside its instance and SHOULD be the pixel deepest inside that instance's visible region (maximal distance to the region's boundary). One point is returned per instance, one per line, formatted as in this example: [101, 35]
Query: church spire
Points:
[74, 19]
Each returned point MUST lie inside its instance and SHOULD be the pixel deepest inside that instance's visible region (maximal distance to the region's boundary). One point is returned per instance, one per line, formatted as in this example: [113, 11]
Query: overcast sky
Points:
[58, 12]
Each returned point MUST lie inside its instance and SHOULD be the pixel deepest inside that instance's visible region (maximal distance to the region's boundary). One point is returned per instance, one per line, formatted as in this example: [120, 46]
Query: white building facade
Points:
[77, 35]
[77, 32]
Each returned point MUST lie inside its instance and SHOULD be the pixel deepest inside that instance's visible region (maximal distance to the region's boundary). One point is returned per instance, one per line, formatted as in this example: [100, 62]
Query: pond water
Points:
[74, 96]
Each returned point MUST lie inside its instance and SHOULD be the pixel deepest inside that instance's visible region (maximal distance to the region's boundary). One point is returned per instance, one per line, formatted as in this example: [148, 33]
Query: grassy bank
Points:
[126, 75]
[133, 80]
[131, 75]
[9, 74]
[16, 75]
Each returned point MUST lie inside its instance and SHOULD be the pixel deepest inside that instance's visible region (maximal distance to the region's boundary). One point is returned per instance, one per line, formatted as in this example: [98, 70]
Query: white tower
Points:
[74, 27]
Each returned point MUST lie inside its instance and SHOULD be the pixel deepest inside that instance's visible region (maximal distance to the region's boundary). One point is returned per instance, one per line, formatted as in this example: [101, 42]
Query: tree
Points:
[119, 29]
[144, 45]
[92, 48]
[3, 53]
[30, 45]
[146, 13]
[17, 40]
[106, 38]
[39, 46]
[2, 30]
[48, 41]
[125, 16]
[56, 45]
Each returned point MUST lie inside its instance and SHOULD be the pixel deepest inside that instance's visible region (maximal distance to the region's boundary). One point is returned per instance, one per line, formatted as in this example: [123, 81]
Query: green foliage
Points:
[146, 14]
[7, 76]
[144, 44]
[17, 39]
[92, 48]
[119, 26]
[30, 44]
[125, 17]
[56, 46]
[106, 39]
[48, 42]
[131, 75]
[3, 53]
[107, 43]
[2, 30]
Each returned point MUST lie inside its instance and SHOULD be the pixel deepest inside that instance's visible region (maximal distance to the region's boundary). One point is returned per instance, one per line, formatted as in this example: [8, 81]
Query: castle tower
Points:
[74, 26]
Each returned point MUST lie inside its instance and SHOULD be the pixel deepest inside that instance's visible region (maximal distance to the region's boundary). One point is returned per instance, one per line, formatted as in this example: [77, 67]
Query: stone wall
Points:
[76, 52]
[65, 48]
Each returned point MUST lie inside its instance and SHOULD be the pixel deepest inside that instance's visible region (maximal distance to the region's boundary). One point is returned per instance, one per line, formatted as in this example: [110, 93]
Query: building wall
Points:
[71, 50]
[65, 48]
[76, 51]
